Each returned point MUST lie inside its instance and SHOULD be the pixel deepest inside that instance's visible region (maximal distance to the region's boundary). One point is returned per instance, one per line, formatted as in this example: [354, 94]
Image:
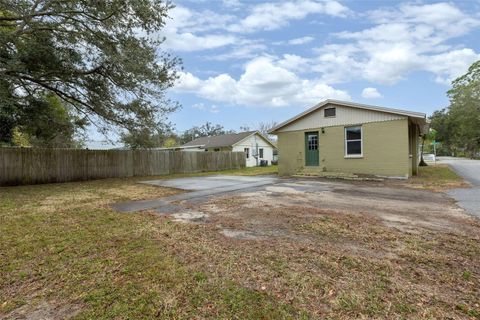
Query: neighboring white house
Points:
[253, 143]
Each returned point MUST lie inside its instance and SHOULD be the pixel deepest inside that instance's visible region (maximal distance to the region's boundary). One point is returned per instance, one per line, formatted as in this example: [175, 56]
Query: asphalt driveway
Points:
[469, 199]
[390, 203]
[214, 183]
[200, 188]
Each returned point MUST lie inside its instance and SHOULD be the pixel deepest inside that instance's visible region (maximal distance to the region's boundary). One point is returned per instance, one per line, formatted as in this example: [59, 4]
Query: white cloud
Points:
[449, 65]
[371, 93]
[400, 40]
[295, 41]
[302, 40]
[201, 106]
[408, 38]
[443, 17]
[294, 63]
[185, 19]
[264, 84]
[271, 16]
[191, 42]
[188, 82]
[243, 49]
[186, 30]
[189, 30]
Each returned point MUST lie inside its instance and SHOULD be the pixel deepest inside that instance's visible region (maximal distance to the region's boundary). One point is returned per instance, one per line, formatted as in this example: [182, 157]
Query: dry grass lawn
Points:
[65, 254]
[437, 177]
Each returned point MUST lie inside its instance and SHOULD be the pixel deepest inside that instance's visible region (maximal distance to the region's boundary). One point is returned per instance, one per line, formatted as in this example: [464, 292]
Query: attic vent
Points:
[329, 112]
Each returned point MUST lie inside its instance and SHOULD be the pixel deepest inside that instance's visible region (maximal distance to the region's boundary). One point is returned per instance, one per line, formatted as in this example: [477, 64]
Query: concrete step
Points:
[312, 173]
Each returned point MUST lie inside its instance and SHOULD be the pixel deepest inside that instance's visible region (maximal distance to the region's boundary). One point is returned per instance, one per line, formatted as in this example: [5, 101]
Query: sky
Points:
[246, 62]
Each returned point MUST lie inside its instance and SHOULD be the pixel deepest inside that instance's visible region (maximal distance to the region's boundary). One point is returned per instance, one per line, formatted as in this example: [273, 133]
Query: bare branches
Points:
[30, 16]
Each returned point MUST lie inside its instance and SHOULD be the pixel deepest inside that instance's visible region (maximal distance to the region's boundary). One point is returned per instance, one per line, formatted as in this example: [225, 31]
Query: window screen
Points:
[247, 152]
[329, 112]
[353, 141]
[260, 153]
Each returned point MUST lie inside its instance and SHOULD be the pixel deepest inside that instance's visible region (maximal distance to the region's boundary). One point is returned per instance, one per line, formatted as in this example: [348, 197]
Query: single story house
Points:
[253, 143]
[340, 136]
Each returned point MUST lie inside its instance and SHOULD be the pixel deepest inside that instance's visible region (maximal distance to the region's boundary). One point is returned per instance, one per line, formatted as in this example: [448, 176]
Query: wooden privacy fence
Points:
[32, 165]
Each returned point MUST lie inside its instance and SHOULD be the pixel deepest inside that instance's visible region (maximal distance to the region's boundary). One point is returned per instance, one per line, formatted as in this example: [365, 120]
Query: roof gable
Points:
[224, 140]
[361, 113]
[258, 133]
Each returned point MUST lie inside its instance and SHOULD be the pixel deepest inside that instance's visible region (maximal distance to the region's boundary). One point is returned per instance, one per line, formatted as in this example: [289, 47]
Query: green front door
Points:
[311, 149]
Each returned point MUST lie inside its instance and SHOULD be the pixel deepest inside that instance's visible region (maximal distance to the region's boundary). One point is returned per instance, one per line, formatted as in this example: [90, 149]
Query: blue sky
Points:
[247, 62]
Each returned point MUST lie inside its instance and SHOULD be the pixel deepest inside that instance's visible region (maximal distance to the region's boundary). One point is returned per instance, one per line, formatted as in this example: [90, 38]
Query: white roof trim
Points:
[261, 136]
[352, 105]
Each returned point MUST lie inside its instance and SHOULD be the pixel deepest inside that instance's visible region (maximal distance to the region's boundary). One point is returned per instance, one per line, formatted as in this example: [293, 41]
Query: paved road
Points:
[469, 199]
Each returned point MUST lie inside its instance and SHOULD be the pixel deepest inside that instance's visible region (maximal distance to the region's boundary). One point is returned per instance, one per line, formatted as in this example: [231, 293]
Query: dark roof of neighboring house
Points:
[225, 140]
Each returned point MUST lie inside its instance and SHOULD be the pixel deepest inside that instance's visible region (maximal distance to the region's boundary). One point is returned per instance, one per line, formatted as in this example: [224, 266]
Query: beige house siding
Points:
[344, 116]
[386, 148]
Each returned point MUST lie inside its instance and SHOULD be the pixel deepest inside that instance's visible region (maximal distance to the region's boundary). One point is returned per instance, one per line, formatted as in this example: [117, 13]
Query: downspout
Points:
[256, 149]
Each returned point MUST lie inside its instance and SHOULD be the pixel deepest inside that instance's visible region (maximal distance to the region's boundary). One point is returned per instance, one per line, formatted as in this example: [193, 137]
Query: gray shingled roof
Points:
[225, 140]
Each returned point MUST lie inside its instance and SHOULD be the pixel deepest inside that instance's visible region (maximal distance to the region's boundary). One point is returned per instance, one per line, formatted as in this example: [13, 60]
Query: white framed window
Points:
[260, 153]
[247, 152]
[353, 142]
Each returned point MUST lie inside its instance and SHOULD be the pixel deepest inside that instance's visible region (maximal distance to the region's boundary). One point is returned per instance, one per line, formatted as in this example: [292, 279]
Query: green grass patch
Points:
[248, 171]
[438, 176]
[63, 250]
[467, 275]
[253, 171]
[438, 172]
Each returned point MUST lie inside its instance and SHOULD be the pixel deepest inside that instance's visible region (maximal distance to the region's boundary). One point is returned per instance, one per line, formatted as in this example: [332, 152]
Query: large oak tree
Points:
[100, 58]
[458, 126]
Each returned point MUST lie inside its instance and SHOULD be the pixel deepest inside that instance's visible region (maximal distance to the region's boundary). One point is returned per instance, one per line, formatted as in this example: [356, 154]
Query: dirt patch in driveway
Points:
[343, 250]
[44, 311]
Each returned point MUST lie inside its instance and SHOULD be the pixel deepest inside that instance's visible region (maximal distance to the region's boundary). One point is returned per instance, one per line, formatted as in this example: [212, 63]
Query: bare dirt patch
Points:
[190, 216]
[239, 234]
[346, 250]
[45, 311]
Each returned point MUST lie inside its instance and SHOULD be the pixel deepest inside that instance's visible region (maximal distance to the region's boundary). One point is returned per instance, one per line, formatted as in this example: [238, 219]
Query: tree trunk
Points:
[422, 162]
